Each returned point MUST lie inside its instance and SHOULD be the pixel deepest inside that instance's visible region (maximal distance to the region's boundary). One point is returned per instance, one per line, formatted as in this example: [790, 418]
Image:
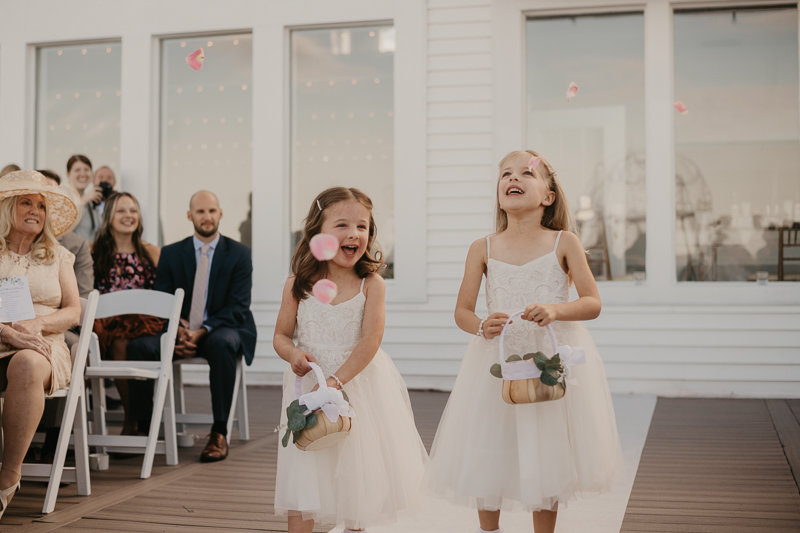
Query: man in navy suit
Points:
[216, 274]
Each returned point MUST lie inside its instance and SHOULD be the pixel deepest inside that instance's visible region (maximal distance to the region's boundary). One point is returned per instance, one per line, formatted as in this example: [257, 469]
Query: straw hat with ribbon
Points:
[63, 209]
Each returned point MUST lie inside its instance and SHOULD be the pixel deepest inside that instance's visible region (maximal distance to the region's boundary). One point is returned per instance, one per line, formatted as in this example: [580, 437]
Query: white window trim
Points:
[271, 56]
[661, 286]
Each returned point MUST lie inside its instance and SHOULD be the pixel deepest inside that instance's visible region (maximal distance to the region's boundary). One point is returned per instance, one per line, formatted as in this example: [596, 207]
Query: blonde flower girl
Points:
[376, 470]
[494, 456]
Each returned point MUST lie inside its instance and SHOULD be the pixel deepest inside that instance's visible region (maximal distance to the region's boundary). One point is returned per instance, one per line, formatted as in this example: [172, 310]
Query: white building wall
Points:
[716, 339]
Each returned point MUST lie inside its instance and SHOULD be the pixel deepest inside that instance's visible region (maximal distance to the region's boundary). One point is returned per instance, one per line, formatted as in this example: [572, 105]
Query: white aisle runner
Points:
[599, 515]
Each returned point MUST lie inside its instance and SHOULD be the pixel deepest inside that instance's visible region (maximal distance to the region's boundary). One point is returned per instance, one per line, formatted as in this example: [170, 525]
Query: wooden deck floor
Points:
[718, 466]
[232, 495]
[708, 466]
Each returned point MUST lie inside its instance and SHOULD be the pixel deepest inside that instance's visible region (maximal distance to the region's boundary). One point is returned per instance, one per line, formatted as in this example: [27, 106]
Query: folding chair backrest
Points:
[88, 311]
[144, 302]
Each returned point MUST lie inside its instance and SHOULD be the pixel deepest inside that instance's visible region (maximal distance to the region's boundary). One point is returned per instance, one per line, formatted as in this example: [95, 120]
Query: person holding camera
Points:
[105, 179]
[81, 176]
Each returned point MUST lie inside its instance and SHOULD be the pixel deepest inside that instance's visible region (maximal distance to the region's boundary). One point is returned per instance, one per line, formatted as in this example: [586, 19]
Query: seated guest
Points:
[34, 359]
[81, 176]
[216, 274]
[123, 261]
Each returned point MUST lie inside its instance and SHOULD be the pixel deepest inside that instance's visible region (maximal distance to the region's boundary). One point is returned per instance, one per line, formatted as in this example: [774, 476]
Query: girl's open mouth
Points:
[349, 250]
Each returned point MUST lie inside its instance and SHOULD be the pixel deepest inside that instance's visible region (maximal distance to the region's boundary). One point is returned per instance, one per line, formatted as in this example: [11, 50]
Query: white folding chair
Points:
[237, 417]
[73, 423]
[139, 302]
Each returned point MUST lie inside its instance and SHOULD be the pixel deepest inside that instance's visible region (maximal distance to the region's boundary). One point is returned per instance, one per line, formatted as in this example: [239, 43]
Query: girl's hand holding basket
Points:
[493, 325]
[534, 377]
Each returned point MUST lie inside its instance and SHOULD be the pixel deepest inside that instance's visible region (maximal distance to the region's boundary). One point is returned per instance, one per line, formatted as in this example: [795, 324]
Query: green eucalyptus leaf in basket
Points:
[285, 440]
[496, 370]
[540, 359]
[512, 358]
[528, 356]
[311, 420]
[297, 422]
[548, 379]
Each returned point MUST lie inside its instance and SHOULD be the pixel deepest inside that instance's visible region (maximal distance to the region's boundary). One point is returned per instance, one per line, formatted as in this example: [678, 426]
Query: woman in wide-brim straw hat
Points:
[34, 359]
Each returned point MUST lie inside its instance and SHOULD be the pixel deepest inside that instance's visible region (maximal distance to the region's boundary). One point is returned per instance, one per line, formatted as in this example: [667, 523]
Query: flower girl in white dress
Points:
[495, 456]
[376, 470]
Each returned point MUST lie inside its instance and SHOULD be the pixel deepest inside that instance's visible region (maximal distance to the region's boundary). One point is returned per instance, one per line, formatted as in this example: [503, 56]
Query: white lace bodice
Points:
[511, 288]
[330, 332]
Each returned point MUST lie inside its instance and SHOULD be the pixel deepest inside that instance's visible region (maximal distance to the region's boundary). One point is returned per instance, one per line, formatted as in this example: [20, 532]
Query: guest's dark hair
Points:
[75, 158]
[104, 248]
[50, 174]
[305, 267]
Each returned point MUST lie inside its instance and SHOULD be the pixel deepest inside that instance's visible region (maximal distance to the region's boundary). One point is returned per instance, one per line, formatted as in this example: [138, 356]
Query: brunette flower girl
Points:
[494, 456]
[376, 470]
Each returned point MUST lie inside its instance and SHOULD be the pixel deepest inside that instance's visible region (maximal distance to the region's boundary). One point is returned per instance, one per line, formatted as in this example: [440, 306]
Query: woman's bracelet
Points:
[480, 328]
[338, 381]
[1, 332]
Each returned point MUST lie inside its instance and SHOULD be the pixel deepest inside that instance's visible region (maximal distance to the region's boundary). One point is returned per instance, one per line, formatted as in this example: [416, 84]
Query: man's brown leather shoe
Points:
[216, 449]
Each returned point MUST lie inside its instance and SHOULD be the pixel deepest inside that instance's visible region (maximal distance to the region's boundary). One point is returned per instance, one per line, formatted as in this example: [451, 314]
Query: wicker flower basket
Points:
[522, 378]
[324, 433]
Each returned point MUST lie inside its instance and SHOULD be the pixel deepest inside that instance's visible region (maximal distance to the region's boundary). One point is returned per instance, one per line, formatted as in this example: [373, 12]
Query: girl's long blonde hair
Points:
[557, 216]
[43, 249]
[305, 267]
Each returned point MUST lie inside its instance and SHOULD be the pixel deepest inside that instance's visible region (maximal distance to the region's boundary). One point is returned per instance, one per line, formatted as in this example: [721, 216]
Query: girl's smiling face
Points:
[348, 221]
[519, 189]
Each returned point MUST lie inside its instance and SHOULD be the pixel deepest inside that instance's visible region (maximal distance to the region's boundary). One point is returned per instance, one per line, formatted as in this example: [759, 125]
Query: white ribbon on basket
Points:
[327, 399]
[517, 370]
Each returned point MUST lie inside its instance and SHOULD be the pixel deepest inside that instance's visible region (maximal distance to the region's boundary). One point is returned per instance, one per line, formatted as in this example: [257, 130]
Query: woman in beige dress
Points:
[34, 360]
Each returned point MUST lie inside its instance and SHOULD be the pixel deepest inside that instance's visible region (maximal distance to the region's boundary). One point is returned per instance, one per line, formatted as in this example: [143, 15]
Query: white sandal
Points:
[4, 494]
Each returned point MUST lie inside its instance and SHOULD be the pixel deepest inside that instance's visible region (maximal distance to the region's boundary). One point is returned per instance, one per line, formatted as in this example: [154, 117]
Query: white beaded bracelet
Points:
[338, 381]
[480, 328]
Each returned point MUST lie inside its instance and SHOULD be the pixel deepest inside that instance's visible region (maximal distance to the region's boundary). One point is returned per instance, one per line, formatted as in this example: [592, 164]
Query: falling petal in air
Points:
[680, 107]
[324, 246]
[325, 291]
[572, 90]
[534, 162]
[195, 59]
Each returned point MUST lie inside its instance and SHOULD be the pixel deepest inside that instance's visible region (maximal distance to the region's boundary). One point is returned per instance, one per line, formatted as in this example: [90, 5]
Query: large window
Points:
[78, 104]
[206, 132]
[738, 148]
[595, 141]
[342, 103]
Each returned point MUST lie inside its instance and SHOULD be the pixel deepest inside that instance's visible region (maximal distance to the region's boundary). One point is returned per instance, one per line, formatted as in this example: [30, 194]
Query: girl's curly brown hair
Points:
[305, 267]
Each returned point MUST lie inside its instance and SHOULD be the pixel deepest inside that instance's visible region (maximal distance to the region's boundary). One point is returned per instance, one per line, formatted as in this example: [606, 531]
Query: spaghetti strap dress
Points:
[377, 470]
[490, 455]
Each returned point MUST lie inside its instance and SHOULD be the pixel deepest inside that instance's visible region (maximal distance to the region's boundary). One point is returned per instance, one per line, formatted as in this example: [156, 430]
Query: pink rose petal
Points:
[680, 107]
[534, 162]
[324, 246]
[195, 59]
[572, 90]
[325, 291]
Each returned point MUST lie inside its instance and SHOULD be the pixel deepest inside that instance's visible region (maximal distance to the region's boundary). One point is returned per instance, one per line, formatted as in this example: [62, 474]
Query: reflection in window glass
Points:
[595, 141]
[78, 105]
[206, 132]
[737, 151]
[342, 125]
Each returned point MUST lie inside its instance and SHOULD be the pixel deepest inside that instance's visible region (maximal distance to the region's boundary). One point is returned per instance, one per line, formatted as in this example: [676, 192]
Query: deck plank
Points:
[715, 466]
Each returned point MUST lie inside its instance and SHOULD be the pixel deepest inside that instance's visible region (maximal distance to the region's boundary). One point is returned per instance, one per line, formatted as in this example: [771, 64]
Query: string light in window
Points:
[333, 115]
[222, 120]
[98, 94]
[199, 88]
[83, 51]
[188, 121]
[377, 80]
[119, 93]
[203, 146]
[52, 127]
[372, 34]
[77, 95]
[235, 42]
[325, 158]
[354, 82]
[108, 50]
[369, 157]
[331, 83]
[183, 44]
[313, 117]
[308, 84]
[371, 114]
[205, 121]
[350, 115]
[391, 113]
[60, 52]
[69, 126]
[244, 87]
[240, 120]
[210, 43]
[170, 122]
[116, 148]
[58, 97]
[221, 88]
[180, 90]
[85, 125]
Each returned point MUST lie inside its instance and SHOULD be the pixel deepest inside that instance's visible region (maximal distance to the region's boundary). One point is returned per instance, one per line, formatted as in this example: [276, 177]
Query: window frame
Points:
[272, 258]
[509, 95]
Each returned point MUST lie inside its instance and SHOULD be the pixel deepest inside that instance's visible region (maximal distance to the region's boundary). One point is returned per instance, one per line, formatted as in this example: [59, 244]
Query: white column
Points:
[139, 134]
[15, 131]
[659, 144]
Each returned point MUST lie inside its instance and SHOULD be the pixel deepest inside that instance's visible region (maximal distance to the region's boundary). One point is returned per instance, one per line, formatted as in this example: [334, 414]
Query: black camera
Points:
[107, 189]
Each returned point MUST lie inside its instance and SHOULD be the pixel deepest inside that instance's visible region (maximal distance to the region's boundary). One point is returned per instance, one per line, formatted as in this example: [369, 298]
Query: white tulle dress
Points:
[378, 469]
[494, 456]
